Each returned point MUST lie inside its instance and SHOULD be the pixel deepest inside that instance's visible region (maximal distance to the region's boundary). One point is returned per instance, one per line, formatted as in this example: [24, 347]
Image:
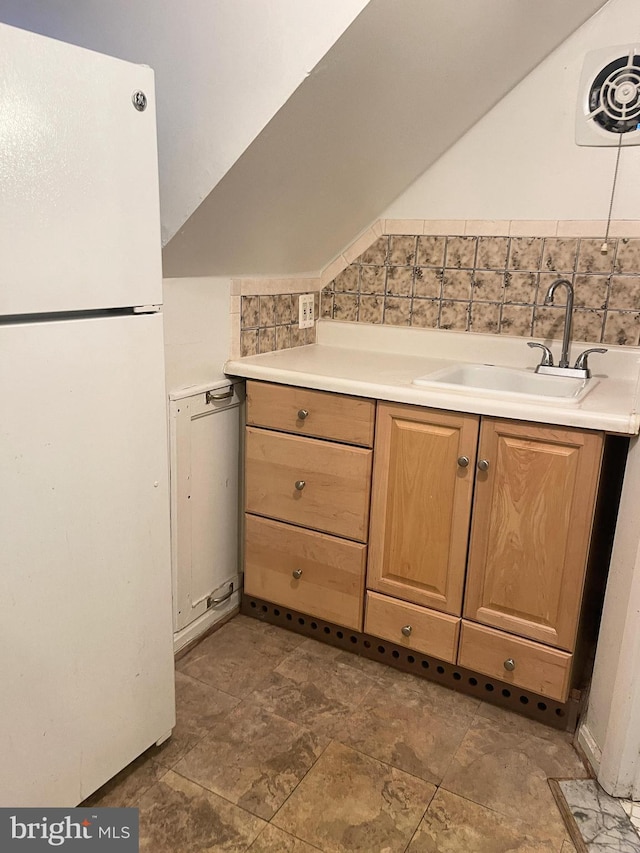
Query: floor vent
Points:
[548, 711]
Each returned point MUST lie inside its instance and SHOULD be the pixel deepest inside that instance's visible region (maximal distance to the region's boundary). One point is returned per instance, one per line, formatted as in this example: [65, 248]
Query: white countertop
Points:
[381, 362]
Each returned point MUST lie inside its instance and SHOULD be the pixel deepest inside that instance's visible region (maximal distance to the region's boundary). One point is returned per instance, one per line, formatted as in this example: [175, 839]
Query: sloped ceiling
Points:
[402, 84]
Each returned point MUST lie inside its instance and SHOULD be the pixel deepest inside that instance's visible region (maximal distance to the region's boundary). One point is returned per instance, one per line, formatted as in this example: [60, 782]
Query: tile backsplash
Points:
[478, 284]
[270, 322]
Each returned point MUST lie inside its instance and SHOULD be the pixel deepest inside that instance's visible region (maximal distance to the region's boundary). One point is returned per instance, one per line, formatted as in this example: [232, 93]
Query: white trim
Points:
[588, 744]
[203, 623]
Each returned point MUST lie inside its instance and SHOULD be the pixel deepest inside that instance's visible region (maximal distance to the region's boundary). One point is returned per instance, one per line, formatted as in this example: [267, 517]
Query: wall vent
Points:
[608, 110]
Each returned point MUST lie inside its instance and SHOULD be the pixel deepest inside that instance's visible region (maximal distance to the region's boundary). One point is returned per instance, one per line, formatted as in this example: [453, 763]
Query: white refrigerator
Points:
[86, 672]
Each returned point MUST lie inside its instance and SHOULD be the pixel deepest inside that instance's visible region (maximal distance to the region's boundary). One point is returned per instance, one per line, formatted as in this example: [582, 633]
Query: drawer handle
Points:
[483, 465]
[463, 461]
[300, 484]
[509, 664]
[297, 574]
[406, 631]
[303, 414]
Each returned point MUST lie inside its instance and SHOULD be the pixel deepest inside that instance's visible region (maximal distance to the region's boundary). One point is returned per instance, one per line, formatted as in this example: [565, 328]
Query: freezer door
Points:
[79, 210]
[85, 601]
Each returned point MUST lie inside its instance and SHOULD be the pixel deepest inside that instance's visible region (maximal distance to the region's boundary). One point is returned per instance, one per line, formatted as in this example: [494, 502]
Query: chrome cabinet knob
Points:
[302, 414]
[463, 461]
[509, 664]
[483, 465]
[297, 574]
[406, 631]
[300, 484]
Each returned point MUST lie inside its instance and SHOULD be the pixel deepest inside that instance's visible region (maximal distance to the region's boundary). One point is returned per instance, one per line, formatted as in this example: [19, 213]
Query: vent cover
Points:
[608, 110]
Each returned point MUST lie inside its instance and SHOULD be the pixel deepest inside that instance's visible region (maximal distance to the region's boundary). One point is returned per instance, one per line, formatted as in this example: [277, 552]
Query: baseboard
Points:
[205, 622]
[589, 747]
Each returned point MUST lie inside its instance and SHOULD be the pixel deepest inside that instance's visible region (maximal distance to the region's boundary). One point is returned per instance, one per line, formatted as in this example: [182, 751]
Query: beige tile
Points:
[345, 306]
[199, 707]
[492, 253]
[399, 281]
[326, 305]
[460, 252]
[403, 728]
[427, 283]
[444, 226]
[545, 280]
[312, 691]
[348, 280]
[177, 816]
[587, 325]
[283, 337]
[349, 801]
[430, 252]
[250, 312]
[371, 309]
[372, 279]
[487, 227]
[298, 335]
[274, 840]
[234, 335]
[485, 317]
[548, 322]
[368, 249]
[592, 260]
[507, 771]
[520, 287]
[512, 723]
[625, 228]
[267, 339]
[591, 291]
[456, 284]
[236, 658]
[397, 311]
[488, 285]
[568, 847]
[235, 304]
[533, 227]
[378, 227]
[454, 315]
[622, 327]
[628, 257]
[625, 292]
[516, 320]
[254, 759]
[560, 254]
[249, 342]
[425, 313]
[236, 287]
[582, 228]
[403, 226]
[402, 250]
[333, 269]
[126, 787]
[525, 253]
[455, 825]
[267, 310]
[284, 309]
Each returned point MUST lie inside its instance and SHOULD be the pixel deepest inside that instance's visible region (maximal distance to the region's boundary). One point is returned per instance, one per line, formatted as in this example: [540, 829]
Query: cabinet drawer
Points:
[334, 482]
[331, 580]
[430, 632]
[537, 668]
[333, 416]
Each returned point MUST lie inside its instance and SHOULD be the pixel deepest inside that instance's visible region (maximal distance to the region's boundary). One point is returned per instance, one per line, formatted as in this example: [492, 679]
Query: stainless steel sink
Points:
[509, 381]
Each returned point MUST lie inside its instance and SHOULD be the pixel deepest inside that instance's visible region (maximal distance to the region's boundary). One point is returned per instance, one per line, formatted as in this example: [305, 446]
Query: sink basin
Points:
[514, 382]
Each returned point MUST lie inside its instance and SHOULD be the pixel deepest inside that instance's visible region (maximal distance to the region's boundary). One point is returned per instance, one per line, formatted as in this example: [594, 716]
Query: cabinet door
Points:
[533, 511]
[421, 503]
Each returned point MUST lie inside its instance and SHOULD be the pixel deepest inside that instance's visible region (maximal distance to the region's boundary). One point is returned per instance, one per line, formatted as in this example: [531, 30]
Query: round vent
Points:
[609, 103]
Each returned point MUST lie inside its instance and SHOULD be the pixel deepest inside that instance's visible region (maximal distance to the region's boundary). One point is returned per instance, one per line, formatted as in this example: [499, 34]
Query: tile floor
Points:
[286, 745]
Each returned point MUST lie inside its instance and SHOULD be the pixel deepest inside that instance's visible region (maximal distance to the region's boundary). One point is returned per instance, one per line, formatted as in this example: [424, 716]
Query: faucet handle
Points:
[547, 356]
[581, 362]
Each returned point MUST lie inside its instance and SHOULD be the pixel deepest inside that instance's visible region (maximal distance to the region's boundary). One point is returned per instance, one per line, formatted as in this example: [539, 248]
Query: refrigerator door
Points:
[85, 601]
[79, 217]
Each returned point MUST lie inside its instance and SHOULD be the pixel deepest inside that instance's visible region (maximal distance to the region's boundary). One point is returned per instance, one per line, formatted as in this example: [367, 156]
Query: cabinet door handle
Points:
[483, 465]
[406, 631]
[509, 664]
[297, 574]
[303, 414]
[463, 461]
[300, 484]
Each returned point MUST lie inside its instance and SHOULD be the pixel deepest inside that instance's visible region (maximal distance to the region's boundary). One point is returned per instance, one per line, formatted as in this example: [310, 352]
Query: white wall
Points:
[521, 162]
[222, 68]
[197, 330]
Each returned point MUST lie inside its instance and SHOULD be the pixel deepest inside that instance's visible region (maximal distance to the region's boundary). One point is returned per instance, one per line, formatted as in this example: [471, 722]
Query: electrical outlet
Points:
[305, 310]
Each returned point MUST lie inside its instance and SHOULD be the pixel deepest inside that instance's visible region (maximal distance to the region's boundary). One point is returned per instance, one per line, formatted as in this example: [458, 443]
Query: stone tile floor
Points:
[286, 745]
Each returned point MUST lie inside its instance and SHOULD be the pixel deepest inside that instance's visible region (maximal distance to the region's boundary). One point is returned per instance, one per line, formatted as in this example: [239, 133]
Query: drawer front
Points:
[428, 631]
[537, 668]
[314, 413]
[307, 571]
[333, 482]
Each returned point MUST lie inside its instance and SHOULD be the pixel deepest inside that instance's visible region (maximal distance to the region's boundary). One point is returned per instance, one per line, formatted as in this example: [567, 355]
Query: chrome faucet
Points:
[566, 337]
